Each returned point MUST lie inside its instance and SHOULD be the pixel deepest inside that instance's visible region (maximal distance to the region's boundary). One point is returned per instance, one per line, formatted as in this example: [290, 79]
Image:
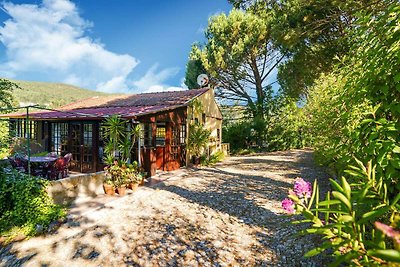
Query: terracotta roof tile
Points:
[127, 106]
[173, 98]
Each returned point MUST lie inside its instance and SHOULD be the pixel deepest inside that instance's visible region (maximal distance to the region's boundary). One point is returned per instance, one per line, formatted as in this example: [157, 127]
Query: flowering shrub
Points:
[346, 218]
[121, 173]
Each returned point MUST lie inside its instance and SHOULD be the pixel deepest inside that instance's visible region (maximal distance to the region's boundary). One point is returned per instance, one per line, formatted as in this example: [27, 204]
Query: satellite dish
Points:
[202, 80]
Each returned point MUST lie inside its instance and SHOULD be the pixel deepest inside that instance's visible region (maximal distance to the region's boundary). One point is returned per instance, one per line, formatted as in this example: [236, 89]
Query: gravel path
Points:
[227, 215]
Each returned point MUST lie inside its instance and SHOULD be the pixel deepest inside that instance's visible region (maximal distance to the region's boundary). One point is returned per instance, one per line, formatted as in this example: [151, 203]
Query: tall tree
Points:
[6, 97]
[313, 32]
[194, 68]
[239, 57]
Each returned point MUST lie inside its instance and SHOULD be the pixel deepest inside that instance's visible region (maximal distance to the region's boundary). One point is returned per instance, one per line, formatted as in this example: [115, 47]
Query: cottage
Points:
[164, 119]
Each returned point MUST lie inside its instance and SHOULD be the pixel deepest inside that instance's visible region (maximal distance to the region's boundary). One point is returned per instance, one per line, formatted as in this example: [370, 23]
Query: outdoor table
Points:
[40, 165]
[43, 159]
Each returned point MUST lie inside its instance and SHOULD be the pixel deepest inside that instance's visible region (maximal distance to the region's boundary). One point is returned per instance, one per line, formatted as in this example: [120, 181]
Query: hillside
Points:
[50, 94]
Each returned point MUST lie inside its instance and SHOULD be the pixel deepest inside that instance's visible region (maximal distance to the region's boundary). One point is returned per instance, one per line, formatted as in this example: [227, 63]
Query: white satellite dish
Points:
[202, 80]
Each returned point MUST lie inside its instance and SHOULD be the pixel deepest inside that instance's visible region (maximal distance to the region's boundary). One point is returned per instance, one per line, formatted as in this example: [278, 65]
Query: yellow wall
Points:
[209, 106]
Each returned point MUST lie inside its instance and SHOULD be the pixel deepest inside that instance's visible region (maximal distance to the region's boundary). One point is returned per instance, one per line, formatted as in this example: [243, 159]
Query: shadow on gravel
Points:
[229, 202]
[8, 258]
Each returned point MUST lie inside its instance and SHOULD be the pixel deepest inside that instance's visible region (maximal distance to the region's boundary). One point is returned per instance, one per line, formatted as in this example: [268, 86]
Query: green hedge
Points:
[25, 204]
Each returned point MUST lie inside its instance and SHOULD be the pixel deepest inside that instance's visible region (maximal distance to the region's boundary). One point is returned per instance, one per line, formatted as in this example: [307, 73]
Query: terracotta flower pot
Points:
[121, 190]
[109, 189]
[133, 186]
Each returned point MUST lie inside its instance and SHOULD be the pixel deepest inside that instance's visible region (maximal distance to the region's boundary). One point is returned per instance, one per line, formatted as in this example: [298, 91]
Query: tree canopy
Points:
[239, 57]
[312, 33]
[6, 97]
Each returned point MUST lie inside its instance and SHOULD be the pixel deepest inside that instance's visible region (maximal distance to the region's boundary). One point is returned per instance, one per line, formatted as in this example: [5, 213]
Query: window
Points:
[160, 134]
[59, 137]
[146, 136]
[175, 136]
[18, 128]
[182, 134]
[174, 152]
[203, 117]
[218, 135]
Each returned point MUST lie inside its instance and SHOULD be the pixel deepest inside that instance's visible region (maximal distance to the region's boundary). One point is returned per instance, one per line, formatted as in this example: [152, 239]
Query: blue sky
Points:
[111, 46]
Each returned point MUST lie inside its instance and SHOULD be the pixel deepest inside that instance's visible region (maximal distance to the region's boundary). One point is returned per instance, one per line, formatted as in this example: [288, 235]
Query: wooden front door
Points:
[82, 147]
[173, 148]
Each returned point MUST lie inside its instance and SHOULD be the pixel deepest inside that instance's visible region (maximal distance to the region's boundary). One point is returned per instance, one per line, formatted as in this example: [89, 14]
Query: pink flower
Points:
[288, 206]
[388, 231]
[302, 188]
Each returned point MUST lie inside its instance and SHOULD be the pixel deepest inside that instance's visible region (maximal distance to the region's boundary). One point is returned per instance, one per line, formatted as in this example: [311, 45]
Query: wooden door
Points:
[82, 147]
[161, 134]
[173, 147]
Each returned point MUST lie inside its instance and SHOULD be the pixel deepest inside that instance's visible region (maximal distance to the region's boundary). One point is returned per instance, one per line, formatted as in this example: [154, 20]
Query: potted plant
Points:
[108, 186]
[121, 188]
[133, 176]
[115, 174]
[197, 140]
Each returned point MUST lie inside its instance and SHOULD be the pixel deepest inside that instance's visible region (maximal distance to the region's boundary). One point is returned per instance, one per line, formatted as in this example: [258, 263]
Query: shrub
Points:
[214, 158]
[25, 204]
[238, 135]
[345, 218]
[287, 127]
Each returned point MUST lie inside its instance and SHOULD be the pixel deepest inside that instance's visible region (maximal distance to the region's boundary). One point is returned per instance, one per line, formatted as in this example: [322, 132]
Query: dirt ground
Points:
[226, 215]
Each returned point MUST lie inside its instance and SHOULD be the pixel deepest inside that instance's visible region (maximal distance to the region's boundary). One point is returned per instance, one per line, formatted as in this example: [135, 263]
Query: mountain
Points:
[50, 94]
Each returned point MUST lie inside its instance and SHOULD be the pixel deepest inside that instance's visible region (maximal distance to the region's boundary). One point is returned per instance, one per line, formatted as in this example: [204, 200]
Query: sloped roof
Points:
[173, 98]
[127, 106]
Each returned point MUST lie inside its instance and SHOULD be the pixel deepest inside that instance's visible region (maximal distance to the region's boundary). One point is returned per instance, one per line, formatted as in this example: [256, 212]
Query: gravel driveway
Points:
[226, 215]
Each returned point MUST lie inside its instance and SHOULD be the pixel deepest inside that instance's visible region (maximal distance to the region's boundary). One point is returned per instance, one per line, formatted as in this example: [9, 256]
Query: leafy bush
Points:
[214, 158]
[238, 135]
[287, 127]
[354, 112]
[24, 204]
[197, 139]
[345, 217]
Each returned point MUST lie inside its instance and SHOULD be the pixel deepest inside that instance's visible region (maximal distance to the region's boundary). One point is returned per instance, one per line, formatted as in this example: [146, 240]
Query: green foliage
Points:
[345, 218]
[4, 139]
[238, 135]
[239, 57]
[353, 112]
[6, 93]
[287, 127]
[312, 34]
[197, 140]
[24, 204]
[214, 158]
[121, 137]
[194, 68]
[19, 146]
[119, 173]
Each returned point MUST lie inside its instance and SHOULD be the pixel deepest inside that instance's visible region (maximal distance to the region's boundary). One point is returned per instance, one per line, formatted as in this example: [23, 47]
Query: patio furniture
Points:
[19, 163]
[52, 154]
[57, 169]
[67, 159]
[40, 165]
[16, 163]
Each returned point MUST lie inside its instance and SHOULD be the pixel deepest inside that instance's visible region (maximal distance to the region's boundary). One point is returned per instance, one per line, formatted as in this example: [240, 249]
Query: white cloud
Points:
[50, 38]
[154, 80]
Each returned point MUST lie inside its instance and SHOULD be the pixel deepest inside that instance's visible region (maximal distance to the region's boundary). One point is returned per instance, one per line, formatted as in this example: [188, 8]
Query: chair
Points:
[67, 159]
[57, 169]
[21, 163]
[52, 154]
